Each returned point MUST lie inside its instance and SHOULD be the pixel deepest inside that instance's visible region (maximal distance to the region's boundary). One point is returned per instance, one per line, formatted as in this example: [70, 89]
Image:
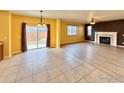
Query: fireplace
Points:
[104, 40]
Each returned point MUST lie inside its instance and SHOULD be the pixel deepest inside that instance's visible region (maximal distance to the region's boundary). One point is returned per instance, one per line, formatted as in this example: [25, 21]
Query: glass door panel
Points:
[31, 37]
[42, 36]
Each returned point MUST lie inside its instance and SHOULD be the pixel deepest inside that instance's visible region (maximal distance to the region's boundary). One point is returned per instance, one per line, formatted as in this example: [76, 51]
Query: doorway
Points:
[88, 32]
[36, 37]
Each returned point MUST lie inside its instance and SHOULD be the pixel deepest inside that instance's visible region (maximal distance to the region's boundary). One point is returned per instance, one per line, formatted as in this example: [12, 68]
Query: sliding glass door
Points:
[36, 37]
[31, 32]
[42, 36]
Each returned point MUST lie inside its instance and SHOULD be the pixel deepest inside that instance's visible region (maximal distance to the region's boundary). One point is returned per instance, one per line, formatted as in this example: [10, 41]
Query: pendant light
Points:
[92, 22]
[41, 21]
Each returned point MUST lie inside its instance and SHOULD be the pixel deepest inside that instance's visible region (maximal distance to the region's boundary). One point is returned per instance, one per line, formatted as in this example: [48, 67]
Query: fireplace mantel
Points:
[112, 35]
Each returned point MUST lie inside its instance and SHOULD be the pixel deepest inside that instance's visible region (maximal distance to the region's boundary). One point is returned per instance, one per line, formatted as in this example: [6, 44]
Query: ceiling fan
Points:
[93, 19]
[92, 22]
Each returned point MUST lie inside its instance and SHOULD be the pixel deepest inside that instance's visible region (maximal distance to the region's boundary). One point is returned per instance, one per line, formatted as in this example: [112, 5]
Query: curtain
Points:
[23, 38]
[48, 35]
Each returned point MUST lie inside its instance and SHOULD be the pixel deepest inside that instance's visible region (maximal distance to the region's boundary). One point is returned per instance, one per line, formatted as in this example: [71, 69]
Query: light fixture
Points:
[41, 21]
[92, 22]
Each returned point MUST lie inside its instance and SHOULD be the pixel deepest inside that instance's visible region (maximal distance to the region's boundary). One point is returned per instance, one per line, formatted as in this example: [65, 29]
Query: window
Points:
[89, 30]
[72, 30]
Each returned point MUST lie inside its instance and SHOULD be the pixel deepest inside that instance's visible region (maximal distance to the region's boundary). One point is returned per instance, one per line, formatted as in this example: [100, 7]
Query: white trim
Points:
[10, 34]
[72, 42]
[92, 41]
[58, 22]
[120, 46]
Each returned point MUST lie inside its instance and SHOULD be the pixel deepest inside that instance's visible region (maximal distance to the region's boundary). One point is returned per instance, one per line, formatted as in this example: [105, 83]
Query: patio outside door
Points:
[36, 37]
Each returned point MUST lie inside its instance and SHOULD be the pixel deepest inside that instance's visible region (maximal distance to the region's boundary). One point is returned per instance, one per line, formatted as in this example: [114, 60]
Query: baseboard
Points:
[6, 57]
[65, 43]
[15, 52]
[92, 41]
[120, 46]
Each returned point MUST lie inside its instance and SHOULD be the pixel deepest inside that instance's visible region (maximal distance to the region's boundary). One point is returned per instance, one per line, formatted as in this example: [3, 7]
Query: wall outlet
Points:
[123, 35]
[122, 42]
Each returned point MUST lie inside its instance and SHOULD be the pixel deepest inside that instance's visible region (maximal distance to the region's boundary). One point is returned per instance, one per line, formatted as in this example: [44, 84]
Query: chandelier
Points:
[41, 21]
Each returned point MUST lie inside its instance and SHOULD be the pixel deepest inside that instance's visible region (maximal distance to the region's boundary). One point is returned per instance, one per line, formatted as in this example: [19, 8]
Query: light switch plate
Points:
[122, 42]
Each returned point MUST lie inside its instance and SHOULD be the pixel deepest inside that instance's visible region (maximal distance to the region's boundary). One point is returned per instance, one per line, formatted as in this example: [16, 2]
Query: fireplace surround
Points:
[111, 35]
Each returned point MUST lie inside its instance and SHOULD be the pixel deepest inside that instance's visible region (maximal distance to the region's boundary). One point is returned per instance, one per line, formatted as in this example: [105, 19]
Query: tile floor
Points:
[75, 63]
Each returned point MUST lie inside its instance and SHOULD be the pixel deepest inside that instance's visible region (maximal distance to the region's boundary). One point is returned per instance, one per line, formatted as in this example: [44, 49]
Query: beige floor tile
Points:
[50, 65]
[73, 75]
[59, 62]
[2, 71]
[113, 81]
[98, 76]
[81, 62]
[61, 79]
[82, 81]
[53, 73]
[35, 63]
[12, 69]
[25, 80]
[73, 64]
[84, 69]
[4, 63]
[26, 66]
[38, 69]
[23, 74]
[2, 80]
[10, 78]
[15, 62]
[41, 77]
[64, 68]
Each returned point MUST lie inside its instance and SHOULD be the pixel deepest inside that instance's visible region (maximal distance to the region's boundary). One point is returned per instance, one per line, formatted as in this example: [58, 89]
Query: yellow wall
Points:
[10, 31]
[17, 20]
[71, 39]
[4, 31]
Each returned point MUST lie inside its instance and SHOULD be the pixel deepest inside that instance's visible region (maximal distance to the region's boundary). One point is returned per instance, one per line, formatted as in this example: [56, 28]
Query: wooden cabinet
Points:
[1, 51]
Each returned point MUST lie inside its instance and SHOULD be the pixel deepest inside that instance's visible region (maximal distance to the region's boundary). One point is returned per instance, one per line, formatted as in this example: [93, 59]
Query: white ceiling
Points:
[82, 16]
